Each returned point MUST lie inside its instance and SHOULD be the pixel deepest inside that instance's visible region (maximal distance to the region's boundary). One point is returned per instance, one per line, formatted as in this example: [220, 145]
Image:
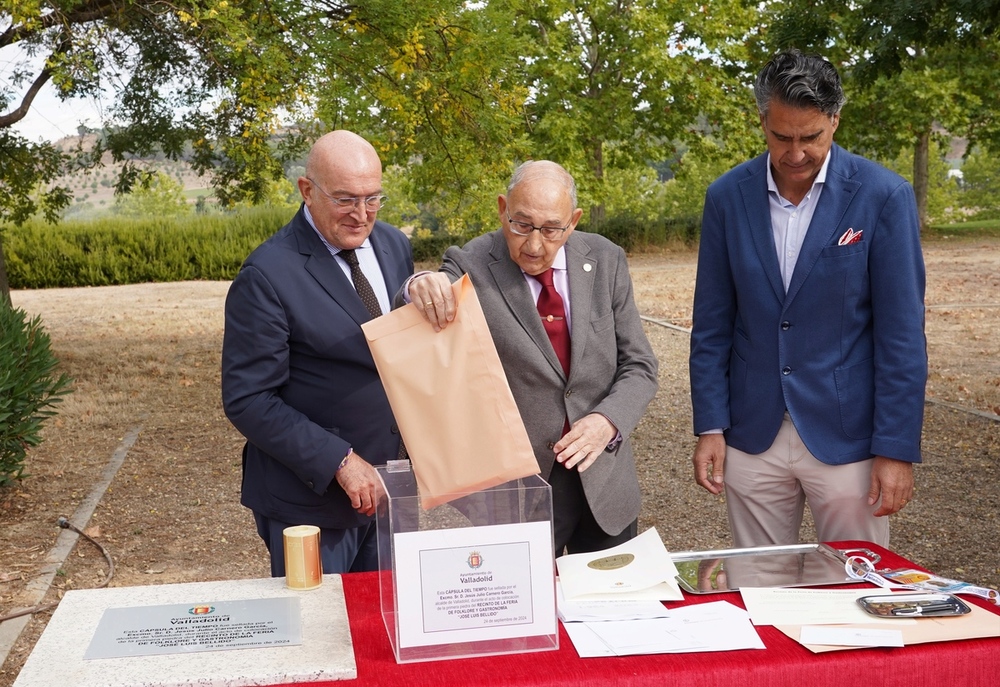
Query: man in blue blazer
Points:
[808, 357]
[298, 380]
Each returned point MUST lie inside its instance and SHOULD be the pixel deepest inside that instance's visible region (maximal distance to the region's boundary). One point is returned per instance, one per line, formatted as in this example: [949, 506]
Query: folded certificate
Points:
[640, 568]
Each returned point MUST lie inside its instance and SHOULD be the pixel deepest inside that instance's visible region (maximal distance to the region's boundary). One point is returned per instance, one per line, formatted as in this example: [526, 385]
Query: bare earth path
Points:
[147, 356]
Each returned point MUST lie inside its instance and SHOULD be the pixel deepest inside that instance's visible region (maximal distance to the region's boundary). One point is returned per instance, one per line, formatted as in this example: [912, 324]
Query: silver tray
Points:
[796, 565]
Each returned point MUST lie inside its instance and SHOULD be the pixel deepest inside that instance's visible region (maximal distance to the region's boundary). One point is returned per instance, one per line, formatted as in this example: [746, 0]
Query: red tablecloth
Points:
[784, 662]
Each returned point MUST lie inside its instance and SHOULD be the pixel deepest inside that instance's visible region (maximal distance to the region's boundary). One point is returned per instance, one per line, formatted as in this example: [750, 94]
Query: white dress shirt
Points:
[367, 261]
[789, 223]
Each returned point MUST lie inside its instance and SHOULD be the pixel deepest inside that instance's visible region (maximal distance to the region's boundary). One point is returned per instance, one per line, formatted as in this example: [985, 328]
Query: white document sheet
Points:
[629, 568]
[475, 583]
[836, 635]
[779, 606]
[585, 608]
[586, 642]
[717, 626]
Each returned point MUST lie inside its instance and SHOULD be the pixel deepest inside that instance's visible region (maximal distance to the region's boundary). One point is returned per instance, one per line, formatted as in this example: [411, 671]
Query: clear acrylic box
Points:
[474, 576]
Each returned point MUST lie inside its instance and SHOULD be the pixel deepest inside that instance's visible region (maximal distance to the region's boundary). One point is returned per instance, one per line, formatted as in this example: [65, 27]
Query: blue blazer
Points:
[298, 379]
[844, 350]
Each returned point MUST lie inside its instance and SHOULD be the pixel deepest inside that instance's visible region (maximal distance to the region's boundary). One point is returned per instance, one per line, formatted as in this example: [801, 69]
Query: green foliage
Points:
[157, 195]
[433, 85]
[637, 234]
[26, 172]
[633, 191]
[430, 246]
[615, 85]
[120, 251]
[29, 387]
[962, 230]
[980, 187]
[683, 196]
[943, 193]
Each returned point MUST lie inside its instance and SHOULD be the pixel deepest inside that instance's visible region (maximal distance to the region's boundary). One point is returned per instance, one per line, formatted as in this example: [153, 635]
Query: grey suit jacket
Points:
[613, 370]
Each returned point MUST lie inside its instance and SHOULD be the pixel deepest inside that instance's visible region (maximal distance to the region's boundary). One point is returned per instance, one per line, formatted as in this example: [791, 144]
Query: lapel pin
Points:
[587, 267]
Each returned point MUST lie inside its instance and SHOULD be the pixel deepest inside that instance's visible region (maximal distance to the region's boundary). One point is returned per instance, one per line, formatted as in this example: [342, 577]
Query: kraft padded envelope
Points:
[451, 400]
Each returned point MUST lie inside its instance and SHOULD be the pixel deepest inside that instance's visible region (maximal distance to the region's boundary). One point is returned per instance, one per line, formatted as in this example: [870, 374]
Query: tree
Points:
[157, 195]
[620, 83]
[910, 67]
[435, 86]
[943, 193]
[430, 83]
[214, 72]
[981, 185]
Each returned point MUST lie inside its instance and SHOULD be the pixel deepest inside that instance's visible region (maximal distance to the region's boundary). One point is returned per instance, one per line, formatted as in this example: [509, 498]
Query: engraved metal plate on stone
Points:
[797, 565]
[192, 627]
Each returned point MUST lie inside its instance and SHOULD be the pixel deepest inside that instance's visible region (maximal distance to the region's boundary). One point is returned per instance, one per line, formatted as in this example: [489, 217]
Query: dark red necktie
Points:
[550, 307]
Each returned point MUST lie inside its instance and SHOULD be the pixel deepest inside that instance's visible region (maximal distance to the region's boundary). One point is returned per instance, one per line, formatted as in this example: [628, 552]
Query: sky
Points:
[50, 119]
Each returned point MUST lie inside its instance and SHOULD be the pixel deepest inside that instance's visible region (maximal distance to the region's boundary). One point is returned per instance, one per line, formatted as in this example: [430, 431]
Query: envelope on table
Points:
[978, 623]
[451, 400]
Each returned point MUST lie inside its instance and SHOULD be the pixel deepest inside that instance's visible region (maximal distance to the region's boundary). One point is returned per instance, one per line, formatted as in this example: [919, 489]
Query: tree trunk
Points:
[596, 216]
[921, 175]
[4, 284]
[597, 168]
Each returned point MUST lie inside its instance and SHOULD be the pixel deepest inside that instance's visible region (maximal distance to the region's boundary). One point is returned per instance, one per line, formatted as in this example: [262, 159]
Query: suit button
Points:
[551, 445]
[310, 484]
[786, 326]
[786, 370]
[569, 392]
[394, 429]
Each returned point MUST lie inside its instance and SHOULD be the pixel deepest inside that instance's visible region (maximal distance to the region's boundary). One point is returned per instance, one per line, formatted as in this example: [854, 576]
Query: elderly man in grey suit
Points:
[562, 315]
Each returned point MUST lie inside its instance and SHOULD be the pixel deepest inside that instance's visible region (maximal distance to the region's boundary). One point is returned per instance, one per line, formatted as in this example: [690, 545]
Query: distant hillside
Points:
[93, 190]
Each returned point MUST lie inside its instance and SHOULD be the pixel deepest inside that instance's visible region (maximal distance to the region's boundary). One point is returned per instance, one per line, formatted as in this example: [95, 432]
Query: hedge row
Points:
[123, 251]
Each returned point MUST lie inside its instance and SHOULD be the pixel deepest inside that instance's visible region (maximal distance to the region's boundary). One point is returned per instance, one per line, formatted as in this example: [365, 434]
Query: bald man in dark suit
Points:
[298, 379]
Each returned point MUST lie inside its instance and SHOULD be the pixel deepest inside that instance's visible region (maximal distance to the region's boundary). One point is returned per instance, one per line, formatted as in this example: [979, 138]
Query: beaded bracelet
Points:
[344, 461]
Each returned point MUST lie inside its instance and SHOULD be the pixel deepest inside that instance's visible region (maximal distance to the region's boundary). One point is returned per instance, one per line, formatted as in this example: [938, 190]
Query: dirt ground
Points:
[146, 358]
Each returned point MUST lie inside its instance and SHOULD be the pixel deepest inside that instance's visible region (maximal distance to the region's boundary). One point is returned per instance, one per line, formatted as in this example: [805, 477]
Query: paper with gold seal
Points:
[638, 569]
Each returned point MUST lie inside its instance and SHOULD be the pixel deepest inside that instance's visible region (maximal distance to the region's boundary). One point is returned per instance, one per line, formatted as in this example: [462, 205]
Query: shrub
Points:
[29, 387]
[633, 233]
[430, 246]
[117, 250]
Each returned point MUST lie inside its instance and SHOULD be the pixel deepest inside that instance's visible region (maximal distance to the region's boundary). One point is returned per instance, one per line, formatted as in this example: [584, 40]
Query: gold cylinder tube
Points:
[303, 568]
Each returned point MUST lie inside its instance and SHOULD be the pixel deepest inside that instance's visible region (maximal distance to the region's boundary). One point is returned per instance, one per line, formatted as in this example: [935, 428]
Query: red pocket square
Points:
[850, 236]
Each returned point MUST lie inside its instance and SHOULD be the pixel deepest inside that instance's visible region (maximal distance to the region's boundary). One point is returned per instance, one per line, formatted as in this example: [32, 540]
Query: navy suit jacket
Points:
[844, 350]
[298, 379]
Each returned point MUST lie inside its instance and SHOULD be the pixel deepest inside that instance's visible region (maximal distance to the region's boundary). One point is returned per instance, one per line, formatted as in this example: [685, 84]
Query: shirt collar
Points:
[820, 178]
[329, 246]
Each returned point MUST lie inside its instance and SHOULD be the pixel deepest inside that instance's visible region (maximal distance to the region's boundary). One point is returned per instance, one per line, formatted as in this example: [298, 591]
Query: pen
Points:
[926, 610]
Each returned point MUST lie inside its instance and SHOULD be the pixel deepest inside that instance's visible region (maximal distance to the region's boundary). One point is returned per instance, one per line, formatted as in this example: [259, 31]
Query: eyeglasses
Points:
[371, 203]
[525, 228]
